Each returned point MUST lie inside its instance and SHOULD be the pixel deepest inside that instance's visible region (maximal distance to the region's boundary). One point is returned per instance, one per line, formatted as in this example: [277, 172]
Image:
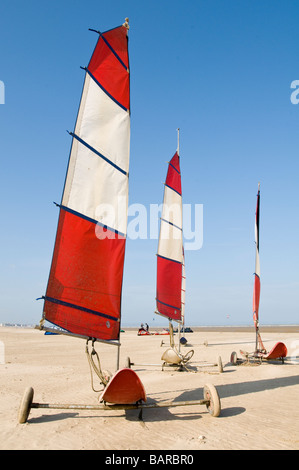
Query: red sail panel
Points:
[111, 69]
[84, 289]
[173, 178]
[169, 285]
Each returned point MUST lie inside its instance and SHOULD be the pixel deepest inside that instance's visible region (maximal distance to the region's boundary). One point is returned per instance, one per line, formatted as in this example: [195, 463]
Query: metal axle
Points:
[210, 399]
[135, 406]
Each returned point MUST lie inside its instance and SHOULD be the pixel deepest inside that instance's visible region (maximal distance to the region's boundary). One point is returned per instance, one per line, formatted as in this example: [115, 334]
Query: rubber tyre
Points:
[233, 358]
[188, 356]
[220, 365]
[210, 393]
[25, 405]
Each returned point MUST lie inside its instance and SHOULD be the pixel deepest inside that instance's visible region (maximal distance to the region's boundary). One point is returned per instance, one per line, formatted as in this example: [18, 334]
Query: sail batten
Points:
[83, 294]
[105, 91]
[98, 153]
[78, 307]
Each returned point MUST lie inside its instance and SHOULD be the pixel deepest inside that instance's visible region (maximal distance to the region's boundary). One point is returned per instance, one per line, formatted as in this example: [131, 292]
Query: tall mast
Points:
[257, 282]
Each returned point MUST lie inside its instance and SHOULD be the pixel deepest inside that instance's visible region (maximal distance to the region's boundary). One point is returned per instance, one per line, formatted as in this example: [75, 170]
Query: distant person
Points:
[146, 327]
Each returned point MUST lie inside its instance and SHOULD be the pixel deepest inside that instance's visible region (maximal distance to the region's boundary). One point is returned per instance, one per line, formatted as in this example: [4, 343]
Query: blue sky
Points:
[219, 70]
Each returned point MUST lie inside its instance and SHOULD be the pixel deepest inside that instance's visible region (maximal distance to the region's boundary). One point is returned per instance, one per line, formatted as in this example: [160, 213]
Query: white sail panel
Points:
[97, 182]
[170, 242]
[172, 207]
[97, 190]
[99, 111]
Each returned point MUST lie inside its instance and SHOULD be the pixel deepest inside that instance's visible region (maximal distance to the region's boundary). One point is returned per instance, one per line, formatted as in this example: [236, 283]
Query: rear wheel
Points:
[211, 394]
[25, 405]
[220, 365]
[233, 358]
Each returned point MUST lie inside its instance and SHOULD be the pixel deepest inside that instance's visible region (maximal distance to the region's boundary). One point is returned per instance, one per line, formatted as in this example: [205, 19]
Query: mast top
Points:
[126, 23]
[178, 148]
[259, 186]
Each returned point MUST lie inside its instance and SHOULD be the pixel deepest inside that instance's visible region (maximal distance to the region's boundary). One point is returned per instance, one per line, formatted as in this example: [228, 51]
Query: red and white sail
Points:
[257, 281]
[84, 289]
[170, 247]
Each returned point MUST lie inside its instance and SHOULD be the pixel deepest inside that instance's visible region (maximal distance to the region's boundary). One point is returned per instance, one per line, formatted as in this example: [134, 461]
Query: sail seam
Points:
[105, 91]
[98, 153]
[113, 51]
[168, 305]
[170, 164]
[89, 219]
[78, 307]
[173, 189]
[109, 45]
[169, 259]
[170, 223]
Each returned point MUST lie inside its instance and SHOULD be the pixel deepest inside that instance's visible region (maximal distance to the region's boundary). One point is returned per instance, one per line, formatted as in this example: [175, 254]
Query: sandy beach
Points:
[259, 403]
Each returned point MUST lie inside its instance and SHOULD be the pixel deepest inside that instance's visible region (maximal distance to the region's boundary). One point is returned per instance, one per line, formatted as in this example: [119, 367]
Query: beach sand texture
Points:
[259, 403]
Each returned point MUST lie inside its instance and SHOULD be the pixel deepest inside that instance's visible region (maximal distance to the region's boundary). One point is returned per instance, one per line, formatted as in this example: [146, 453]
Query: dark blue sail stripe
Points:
[168, 305]
[113, 51]
[169, 259]
[89, 219]
[104, 90]
[170, 164]
[78, 307]
[98, 153]
[173, 189]
[109, 45]
[170, 223]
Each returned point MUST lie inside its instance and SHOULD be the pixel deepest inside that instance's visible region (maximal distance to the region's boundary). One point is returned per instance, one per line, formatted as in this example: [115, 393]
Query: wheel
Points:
[233, 358]
[128, 363]
[188, 356]
[220, 365]
[210, 393]
[25, 405]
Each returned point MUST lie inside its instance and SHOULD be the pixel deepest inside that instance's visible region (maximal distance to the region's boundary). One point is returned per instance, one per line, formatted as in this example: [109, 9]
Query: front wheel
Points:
[210, 393]
[233, 358]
